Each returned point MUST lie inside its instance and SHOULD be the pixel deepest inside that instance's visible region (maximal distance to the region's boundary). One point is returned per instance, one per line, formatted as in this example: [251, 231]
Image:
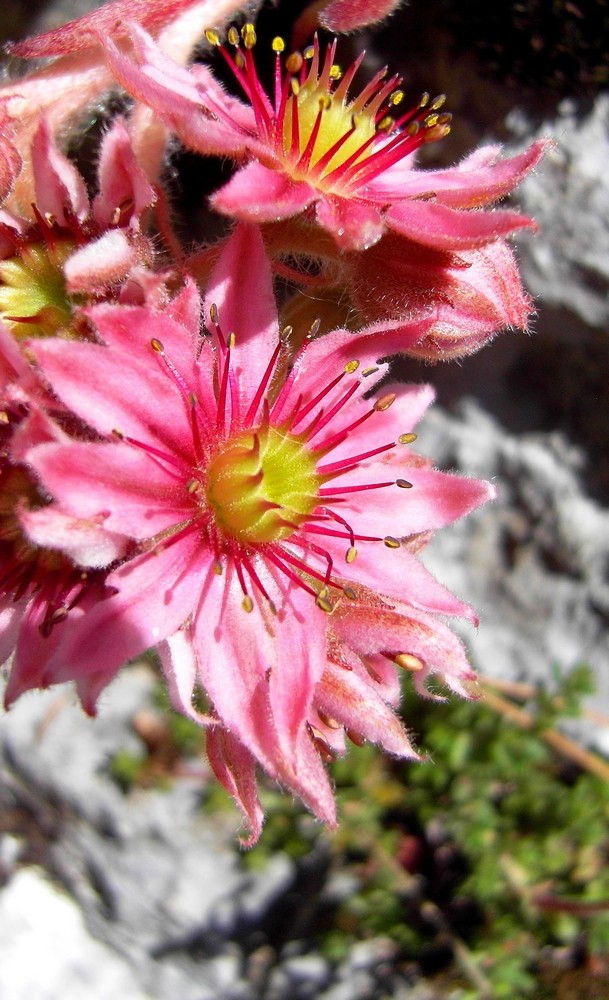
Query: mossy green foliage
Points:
[508, 843]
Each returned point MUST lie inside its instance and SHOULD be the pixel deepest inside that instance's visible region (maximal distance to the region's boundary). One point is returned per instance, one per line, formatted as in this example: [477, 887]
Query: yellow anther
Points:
[424, 99]
[445, 118]
[350, 593]
[369, 371]
[157, 346]
[324, 604]
[351, 554]
[192, 399]
[247, 604]
[218, 568]
[324, 103]
[193, 485]
[409, 662]
[294, 87]
[4, 417]
[396, 97]
[384, 402]
[431, 120]
[248, 34]
[385, 124]
[413, 128]
[213, 313]
[286, 333]
[117, 434]
[391, 542]
[314, 328]
[407, 438]
[436, 133]
[278, 44]
[231, 340]
[233, 36]
[403, 484]
[239, 60]
[293, 63]
[212, 36]
[335, 72]
[351, 367]
[309, 52]
[438, 102]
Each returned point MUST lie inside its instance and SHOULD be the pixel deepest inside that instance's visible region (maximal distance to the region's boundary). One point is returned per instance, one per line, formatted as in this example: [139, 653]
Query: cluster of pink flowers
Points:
[195, 463]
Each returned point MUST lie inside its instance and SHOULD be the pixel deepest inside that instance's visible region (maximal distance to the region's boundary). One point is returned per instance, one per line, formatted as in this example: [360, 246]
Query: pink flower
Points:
[78, 78]
[312, 156]
[74, 246]
[277, 510]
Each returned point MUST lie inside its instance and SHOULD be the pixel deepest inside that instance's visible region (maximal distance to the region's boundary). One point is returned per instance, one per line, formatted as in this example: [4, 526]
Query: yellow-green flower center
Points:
[33, 298]
[337, 120]
[262, 485]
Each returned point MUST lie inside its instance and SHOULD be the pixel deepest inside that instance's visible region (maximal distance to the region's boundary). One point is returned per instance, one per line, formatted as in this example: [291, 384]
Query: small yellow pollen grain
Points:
[248, 34]
[351, 554]
[351, 367]
[396, 97]
[218, 568]
[409, 662]
[294, 87]
[407, 438]
[413, 128]
[314, 328]
[369, 371]
[286, 333]
[324, 604]
[324, 102]
[239, 60]
[335, 72]
[278, 44]
[424, 99]
[391, 542]
[438, 102]
[232, 340]
[309, 52]
[193, 485]
[384, 402]
[213, 313]
[431, 120]
[233, 36]
[157, 346]
[247, 604]
[403, 484]
[212, 36]
[293, 62]
[385, 124]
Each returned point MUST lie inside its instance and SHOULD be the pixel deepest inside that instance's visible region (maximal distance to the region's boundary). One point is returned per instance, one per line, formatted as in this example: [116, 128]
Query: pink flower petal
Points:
[354, 224]
[479, 179]
[60, 190]
[100, 264]
[122, 182]
[127, 491]
[235, 769]
[258, 194]
[436, 225]
[84, 541]
[241, 287]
